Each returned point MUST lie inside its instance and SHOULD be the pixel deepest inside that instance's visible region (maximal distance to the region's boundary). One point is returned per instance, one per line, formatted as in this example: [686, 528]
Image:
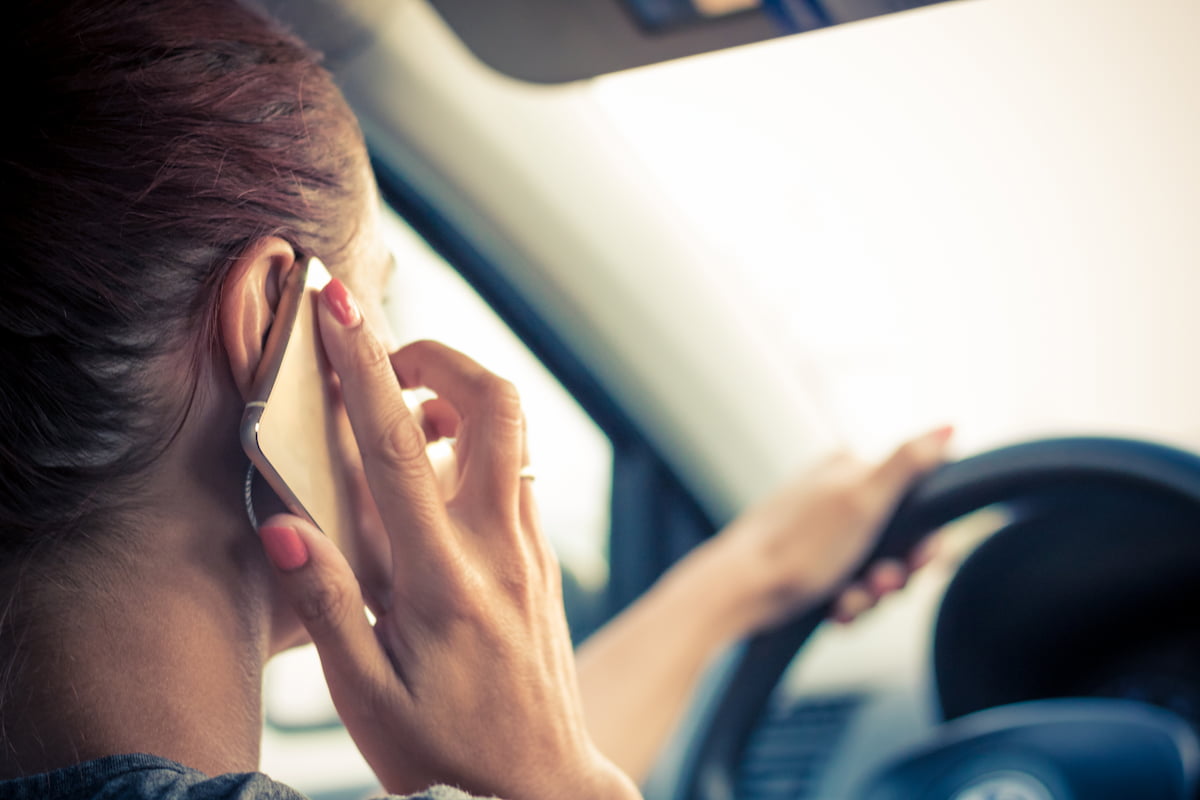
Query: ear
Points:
[249, 298]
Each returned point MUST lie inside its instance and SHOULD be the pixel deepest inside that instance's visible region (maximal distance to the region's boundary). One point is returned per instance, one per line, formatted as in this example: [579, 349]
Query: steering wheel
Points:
[1034, 473]
[1047, 749]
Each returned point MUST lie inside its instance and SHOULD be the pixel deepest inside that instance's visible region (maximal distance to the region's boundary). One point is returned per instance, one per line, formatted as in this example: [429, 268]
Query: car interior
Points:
[712, 241]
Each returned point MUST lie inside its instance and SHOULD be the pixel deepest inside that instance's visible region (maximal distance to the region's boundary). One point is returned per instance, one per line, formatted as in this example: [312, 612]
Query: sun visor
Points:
[554, 41]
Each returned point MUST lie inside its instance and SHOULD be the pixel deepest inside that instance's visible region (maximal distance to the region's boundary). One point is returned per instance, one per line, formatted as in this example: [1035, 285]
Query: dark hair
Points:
[152, 141]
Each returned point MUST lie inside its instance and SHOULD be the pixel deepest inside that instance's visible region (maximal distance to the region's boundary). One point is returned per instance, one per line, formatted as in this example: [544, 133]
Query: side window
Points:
[572, 457]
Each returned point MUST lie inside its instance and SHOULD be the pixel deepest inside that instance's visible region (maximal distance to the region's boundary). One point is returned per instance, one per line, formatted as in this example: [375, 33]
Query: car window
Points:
[571, 456]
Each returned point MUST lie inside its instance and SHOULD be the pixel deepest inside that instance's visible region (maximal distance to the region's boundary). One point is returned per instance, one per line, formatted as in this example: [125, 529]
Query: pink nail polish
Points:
[339, 302]
[944, 433]
[284, 547]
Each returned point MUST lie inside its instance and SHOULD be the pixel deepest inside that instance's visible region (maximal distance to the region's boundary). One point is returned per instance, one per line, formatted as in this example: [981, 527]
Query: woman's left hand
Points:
[800, 546]
[783, 556]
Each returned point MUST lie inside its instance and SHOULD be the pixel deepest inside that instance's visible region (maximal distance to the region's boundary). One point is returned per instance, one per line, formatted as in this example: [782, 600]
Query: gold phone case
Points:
[289, 428]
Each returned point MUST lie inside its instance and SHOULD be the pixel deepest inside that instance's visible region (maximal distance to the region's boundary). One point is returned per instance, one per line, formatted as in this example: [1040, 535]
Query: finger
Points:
[925, 552]
[322, 590]
[440, 420]
[912, 459]
[363, 539]
[886, 576]
[390, 440]
[528, 500]
[856, 599]
[490, 439]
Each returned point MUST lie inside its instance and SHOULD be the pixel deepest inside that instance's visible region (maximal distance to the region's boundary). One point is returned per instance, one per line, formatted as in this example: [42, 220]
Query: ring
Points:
[526, 473]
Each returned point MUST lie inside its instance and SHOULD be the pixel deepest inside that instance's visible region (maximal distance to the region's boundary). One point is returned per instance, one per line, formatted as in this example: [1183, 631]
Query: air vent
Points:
[788, 753]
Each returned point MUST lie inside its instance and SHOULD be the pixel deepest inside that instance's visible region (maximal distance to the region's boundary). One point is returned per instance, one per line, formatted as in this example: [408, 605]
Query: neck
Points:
[154, 642]
[156, 657]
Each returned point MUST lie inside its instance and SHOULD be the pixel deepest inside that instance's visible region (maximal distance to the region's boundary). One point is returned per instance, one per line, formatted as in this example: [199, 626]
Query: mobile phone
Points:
[290, 428]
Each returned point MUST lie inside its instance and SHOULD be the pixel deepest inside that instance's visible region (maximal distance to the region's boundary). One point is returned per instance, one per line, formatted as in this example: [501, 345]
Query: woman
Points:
[168, 166]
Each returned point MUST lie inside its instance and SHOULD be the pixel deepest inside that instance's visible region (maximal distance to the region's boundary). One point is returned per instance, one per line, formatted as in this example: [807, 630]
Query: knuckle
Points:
[908, 455]
[412, 356]
[465, 602]
[370, 357]
[852, 500]
[501, 397]
[840, 470]
[841, 460]
[422, 346]
[519, 577]
[909, 459]
[516, 583]
[401, 445]
[325, 606]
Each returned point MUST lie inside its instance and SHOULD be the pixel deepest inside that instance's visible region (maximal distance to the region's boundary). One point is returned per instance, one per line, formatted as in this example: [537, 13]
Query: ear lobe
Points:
[249, 298]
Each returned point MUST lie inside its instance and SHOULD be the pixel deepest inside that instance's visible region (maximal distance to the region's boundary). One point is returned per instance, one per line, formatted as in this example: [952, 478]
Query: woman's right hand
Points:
[467, 677]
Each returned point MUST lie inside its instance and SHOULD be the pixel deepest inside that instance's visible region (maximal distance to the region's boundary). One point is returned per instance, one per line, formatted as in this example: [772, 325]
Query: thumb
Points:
[321, 588]
[913, 459]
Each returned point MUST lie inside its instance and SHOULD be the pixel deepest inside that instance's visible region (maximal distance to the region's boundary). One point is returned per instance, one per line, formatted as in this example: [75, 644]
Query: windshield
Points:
[988, 225]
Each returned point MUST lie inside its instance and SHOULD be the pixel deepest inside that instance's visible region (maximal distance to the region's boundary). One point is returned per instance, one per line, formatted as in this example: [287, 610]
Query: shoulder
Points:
[142, 777]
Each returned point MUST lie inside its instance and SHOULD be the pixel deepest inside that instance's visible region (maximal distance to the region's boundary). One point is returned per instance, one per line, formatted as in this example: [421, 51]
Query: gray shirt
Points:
[145, 777]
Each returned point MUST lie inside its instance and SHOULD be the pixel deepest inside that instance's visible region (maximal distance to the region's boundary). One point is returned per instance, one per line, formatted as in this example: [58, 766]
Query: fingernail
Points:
[887, 576]
[943, 433]
[284, 547]
[339, 302]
